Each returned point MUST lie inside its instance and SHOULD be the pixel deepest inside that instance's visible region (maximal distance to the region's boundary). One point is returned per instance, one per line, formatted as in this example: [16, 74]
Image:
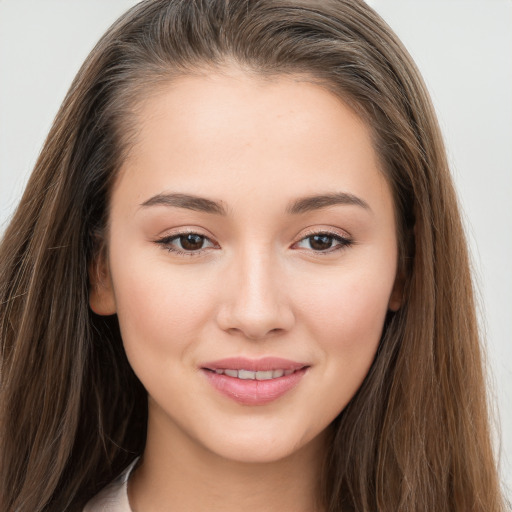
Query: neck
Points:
[176, 474]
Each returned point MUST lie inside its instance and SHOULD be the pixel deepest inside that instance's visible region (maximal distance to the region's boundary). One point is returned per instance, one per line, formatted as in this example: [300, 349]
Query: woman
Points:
[238, 277]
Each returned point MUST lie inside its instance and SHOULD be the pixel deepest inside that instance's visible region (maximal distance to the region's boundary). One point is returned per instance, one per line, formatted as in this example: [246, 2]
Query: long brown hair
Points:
[415, 437]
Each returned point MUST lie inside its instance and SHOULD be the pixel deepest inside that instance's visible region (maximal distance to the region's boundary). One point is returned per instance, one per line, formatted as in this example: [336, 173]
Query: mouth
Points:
[250, 375]
[254, 381]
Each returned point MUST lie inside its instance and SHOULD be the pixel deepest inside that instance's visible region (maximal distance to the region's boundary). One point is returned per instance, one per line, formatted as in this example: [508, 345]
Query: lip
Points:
[254, 392]
[254, 365]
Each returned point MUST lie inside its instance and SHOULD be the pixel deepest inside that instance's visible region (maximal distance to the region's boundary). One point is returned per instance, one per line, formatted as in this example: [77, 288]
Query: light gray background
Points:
[462, 47]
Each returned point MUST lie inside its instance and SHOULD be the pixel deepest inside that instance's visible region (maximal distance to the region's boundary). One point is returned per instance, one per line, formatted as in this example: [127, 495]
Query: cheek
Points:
[160, 309]
[350, 307]
[345, 315]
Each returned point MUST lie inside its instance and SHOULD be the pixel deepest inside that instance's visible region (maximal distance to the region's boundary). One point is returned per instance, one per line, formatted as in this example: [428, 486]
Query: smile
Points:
[253, 382]
[250, 375]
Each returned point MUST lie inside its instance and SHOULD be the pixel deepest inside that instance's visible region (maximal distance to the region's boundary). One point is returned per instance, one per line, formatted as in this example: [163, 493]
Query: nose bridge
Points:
[256, 303]
[256, 280]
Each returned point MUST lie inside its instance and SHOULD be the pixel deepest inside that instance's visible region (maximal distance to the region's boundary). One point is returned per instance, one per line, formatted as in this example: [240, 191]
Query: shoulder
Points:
[114, 497]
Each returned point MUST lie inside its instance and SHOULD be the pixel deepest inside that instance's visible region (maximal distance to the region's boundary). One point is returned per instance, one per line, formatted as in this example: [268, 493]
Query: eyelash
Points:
[166, 241]
[342, 243]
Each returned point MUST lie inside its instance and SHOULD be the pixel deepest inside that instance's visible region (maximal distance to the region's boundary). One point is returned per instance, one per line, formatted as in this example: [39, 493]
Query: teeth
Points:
[246, 375]
[249, 375]
[264, 375]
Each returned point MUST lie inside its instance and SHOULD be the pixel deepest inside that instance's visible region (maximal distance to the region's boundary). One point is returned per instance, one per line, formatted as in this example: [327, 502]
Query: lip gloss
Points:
[253, 391]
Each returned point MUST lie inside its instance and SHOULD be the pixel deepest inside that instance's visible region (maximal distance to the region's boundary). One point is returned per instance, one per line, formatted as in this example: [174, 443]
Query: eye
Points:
[186, 243]
[324, 242]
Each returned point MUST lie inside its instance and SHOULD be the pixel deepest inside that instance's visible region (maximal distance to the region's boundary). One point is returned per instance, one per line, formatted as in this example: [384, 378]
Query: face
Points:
[251, 261]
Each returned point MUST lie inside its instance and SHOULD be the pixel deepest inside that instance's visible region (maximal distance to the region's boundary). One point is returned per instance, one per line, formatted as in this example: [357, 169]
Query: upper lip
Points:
[254, 365]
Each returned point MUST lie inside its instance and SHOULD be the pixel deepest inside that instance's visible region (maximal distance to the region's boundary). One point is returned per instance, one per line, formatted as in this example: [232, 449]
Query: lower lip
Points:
[254, 392]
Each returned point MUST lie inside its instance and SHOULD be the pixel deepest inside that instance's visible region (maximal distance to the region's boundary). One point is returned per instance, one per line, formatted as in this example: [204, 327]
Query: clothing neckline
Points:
[113, 497]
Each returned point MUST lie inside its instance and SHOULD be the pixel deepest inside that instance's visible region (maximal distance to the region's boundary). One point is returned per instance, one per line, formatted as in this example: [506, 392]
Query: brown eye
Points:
[324, 242]
[190, 244]
[321, 242]
[191, 241]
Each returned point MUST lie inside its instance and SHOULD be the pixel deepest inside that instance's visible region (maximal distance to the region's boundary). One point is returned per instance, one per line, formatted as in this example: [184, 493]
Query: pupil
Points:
[320, 242]
[191, 241]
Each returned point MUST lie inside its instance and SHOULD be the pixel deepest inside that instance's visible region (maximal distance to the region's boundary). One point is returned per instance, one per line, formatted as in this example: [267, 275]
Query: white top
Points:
[114, 497]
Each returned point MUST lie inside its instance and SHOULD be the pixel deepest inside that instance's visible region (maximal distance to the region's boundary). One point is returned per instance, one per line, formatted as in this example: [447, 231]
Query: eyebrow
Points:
[296, 207]
[189, 202]
[317, 202]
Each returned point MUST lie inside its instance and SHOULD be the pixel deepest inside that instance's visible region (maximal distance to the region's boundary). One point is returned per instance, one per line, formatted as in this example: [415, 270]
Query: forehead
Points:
[232, 133]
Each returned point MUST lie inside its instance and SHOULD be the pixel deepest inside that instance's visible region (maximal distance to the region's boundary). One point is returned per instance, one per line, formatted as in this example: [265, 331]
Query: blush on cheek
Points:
[157, 305]
[350, 327]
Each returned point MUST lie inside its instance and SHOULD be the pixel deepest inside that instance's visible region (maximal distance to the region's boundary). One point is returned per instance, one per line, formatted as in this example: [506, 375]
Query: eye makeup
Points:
[192, 243]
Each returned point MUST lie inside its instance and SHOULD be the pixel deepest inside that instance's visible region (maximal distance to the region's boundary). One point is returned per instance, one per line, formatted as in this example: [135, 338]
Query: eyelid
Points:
[165, 242]
[331, 231]
[344, 240]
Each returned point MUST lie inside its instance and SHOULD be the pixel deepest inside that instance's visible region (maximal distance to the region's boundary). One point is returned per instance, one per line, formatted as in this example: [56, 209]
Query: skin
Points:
[258, 287]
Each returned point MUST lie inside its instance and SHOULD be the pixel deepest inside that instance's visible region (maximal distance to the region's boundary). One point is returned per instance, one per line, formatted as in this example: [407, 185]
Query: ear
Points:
[397, 293]
[101, 290]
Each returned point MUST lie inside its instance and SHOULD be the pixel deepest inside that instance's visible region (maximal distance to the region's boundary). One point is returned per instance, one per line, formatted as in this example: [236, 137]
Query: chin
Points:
[261, 447]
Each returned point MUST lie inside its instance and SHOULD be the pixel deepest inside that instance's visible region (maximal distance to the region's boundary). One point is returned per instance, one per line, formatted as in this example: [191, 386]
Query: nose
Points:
[255, 302]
